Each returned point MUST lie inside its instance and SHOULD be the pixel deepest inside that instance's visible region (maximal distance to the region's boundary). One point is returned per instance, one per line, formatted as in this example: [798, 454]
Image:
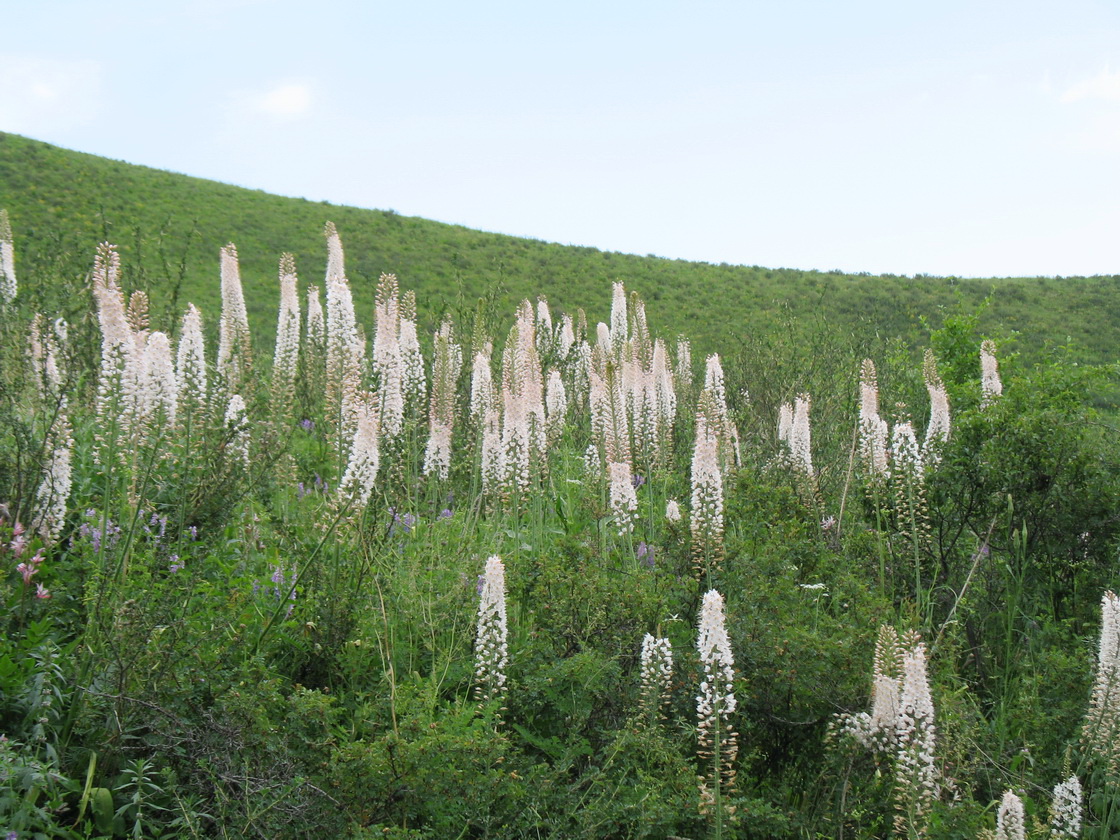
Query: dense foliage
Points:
[218, 633]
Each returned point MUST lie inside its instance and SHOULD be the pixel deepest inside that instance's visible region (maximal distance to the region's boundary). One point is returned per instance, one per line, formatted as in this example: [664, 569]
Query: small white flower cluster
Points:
[794, 430]
[673, 511]
[490, 647]
[656, 672]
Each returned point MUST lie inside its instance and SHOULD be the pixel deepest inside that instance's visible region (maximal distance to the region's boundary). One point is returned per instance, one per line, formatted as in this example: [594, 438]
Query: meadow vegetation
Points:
[483, 564]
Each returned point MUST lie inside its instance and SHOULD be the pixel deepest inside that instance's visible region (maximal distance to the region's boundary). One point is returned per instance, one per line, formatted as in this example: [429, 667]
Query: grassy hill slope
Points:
[169, 228]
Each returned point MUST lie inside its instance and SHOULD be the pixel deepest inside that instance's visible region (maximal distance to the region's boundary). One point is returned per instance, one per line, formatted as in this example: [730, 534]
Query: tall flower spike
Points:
[877, 730]
[54, 491]
[915, 772]
[938, 431]
[8, 286]
[234, 345]
[656, 673]
[190, 373]
[1101, 733]
[707, 493]
[237, 428]
[490, 647]
[624, 499]
[361, 468]
[990, 385]
[873, 429]
[1065, 810]
[1010, 819]
[286, 357]
[800, 443]
[717, 741]
[619, 329]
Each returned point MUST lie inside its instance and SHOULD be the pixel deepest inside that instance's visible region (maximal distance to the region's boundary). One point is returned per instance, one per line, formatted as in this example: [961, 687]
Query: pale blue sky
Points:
[968, 138]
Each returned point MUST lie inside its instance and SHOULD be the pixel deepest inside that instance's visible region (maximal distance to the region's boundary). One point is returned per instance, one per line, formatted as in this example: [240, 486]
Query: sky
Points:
[975, 139]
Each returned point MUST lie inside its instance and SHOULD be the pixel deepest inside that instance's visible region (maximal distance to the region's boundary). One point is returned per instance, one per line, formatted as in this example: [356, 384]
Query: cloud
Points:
[41, 95]
[288, 101]
[1104, 86]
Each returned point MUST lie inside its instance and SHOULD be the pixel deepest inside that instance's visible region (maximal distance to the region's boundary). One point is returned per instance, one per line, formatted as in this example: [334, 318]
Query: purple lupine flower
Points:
[638, 480]
[446, 513]
[644, 554]
[175, 564]
[194, 533]
[479, 584]
[306, 424]
[301, 491]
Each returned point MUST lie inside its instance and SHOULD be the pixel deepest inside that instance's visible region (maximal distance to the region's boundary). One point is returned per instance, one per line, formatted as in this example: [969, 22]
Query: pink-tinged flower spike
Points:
[8, 286]
[915, 771]
[878, 730]
[118, 352]
[54, 491]
[41, 592]
[873, 429]
[490, 648]
[624, 499]
[316, 323]
[990, 385]
[446, 365]
[361, 469]
[707, 493]
[286, 357]
[234, 344]
[483, 398]
[1101, 733]
[619, 329]
[345, 351]
[938, 431]
[717, 740]
[190, 373]
[800, 443]
[1065, 810]
[555, 405]
[413, 382]
[684, 362]
[161, 393]
[1010, 819]
[237, 428]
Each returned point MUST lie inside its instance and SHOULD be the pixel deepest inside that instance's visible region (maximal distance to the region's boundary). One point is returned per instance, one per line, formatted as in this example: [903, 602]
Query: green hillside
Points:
[167, 225]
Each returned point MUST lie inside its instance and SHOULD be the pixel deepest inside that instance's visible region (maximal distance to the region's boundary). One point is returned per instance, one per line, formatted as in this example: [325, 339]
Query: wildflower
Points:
[1102, 725]
[174, 565]
[1010, 820]
[234, 345]
[190, 370]
[361, 469]
[8, 285]
[656, 672]
[446, 513]
[915, 773]
[715, 704]
[938, 430]
[673, 511]
[800, 447]
[990, 385]
[707, 491]
[645, 554]
[306, 424]
[491, 652]
[624, 501]
[1065, 810]
[286, 356]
